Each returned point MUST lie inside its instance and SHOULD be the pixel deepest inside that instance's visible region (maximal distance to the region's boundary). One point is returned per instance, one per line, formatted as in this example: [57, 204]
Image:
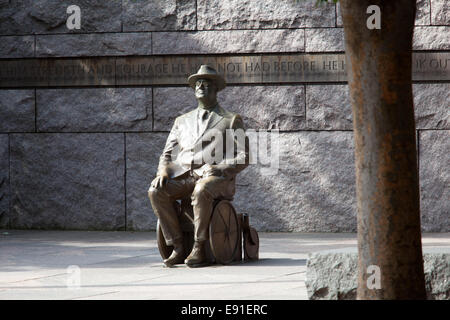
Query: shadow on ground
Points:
[273, 262]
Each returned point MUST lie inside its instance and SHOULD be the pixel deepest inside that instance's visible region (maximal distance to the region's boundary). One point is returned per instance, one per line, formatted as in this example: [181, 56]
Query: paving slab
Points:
[126, 265]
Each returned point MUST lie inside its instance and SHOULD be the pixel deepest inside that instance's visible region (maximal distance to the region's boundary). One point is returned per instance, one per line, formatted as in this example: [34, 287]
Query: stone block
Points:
[431, 104]
[440, 12]
[324, 40]
[143, 152]
[232, 41]
[50, 16]
[4, 180]
[94, 109]
[267, 107]
[67, 181]
[270, 14]
[17, 111]
[170, 103]
[434, 163]
[16, 47]
[436, 266]
[150, 15]
[328, 107]
[313, 189]
[431, 38]
[422, 12]
[94, 44]
[332, 274]
[261, 107]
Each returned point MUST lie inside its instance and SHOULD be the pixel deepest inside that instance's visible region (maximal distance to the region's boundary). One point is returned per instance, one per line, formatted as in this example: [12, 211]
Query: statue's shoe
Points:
[175, 258]
[197, 258]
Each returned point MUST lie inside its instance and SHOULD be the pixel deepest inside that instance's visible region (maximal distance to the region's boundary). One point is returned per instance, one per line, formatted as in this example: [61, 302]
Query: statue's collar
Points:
[216, 109]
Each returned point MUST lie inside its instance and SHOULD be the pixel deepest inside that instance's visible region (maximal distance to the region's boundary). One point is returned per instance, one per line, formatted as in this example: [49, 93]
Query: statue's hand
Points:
[160, 179]
[214, 170]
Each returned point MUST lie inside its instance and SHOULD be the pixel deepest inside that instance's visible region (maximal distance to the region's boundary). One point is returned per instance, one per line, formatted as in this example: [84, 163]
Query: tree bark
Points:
[379, 76]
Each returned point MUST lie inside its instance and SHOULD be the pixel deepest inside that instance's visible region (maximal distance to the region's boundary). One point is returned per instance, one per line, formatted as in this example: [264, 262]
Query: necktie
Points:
[205, 115]
[203, 120]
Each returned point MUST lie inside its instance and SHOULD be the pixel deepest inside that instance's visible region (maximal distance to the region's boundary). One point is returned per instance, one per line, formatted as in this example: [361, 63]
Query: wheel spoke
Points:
[221, 216]
[233, 227]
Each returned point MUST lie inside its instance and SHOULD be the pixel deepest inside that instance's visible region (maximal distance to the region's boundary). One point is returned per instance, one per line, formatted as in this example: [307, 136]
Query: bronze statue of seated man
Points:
[196, 135]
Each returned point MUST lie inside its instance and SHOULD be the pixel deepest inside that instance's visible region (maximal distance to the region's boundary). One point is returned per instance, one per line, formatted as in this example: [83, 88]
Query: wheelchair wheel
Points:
[224, 232]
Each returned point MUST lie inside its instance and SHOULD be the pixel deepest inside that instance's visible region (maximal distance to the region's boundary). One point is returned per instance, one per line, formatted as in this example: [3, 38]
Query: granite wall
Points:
[83, 158]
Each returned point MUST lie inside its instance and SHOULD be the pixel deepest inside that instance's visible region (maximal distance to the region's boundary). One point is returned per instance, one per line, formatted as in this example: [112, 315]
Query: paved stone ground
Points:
[127, 265]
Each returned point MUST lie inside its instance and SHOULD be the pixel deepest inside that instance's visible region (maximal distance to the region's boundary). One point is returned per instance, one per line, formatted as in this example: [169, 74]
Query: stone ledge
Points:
[229, 41]
[149, 15]
[269, 14]
[332, 274]
[94, 44]
[431, 38]
[16, 47]
[324, 40]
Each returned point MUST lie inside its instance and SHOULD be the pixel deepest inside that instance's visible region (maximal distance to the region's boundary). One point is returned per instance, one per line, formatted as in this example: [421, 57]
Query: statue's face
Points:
[205, 88]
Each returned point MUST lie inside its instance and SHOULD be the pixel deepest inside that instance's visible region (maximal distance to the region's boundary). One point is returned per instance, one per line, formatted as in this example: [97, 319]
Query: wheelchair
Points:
[227, 231]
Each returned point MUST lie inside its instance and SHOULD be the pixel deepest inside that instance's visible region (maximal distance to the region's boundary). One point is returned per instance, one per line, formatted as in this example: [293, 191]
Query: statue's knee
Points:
[154, 193]
[200, 192]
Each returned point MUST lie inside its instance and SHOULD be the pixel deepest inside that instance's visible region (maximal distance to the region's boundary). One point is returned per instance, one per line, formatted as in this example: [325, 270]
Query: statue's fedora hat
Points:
[207, 72]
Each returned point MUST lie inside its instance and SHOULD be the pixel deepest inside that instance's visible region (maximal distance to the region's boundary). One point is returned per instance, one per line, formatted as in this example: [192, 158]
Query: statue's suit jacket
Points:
[192, 147]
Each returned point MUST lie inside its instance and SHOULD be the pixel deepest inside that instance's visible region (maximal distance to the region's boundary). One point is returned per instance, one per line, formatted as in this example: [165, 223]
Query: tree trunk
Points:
[379, 76]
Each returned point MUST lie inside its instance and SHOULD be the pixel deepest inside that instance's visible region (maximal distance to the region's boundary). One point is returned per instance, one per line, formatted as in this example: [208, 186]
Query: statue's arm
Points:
[241, 149]
[241, 144]
[166, 157]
